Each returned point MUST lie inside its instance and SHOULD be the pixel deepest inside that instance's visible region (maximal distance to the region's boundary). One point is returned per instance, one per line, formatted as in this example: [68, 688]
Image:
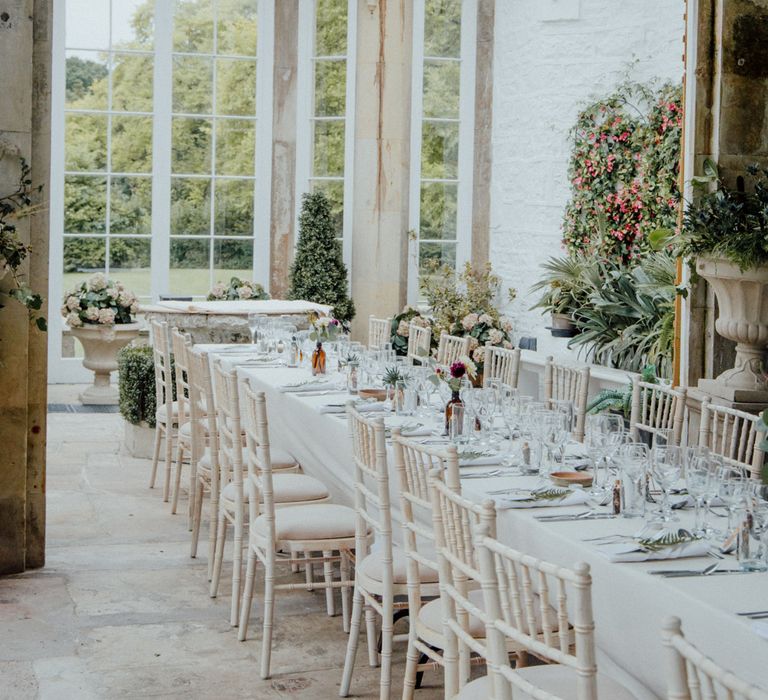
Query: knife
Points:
[684, 574]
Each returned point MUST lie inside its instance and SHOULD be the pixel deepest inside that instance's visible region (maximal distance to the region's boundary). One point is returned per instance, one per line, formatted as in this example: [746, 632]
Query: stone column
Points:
[381, 163]
[24, 132]
[283, 146]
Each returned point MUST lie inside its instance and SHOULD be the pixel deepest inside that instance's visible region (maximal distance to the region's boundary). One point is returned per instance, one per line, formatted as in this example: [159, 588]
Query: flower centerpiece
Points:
[463, 367]
[467, 306]
[324, 328]
[401, 325]
[237, 289]
[99, 313]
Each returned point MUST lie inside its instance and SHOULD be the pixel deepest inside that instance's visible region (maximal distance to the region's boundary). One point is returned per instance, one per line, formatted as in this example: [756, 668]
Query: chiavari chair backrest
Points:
[227, 401]
[419, 341]
[503, 364]
[202, 406]
[164, 379]
[733, 435]
[693, 676]
[379, 332]
[372, 500]
[656, 408]
[451, 348]
[413, 463]
[179, 343]
[564, 383]
[456, 520]
[528, 603]
[258, 458]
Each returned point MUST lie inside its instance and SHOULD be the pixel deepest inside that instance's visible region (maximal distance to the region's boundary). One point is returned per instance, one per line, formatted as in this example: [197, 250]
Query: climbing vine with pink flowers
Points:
[624, 171]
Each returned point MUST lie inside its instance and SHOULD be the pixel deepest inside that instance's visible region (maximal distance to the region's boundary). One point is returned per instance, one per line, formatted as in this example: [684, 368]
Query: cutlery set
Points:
[586, 515]
[755, 614]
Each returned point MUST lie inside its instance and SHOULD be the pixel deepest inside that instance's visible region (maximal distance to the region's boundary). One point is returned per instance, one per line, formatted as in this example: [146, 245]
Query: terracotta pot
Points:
[743, 300]
[101, 345]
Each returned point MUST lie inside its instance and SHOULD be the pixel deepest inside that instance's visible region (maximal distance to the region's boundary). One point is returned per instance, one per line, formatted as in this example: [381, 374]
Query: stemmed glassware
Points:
[253, 326]
[604, 436]
[667, 468]
[732, 489]
[632, 458]
[702, 485]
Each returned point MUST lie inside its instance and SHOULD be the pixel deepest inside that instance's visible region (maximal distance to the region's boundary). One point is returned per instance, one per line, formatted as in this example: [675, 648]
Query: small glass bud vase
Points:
[352, 378]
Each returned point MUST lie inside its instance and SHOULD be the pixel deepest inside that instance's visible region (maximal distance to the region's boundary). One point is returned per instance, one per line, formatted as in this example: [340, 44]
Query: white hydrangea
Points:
[506, 323]
[106, 316]
[470, 321]
[486, 319]
[73, 320]
[134, 308]
[72, 303]
[113, 293]
[97, 282]
[479, 354]
[473, 343]
[218, 290]
[245, 292]
[92, 313]
[495, 336]
[403, 328]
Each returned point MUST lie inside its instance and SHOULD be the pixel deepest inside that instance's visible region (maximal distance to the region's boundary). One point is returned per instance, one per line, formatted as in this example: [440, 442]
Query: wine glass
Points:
[253, 326]
[732, 489]
[701, 482]
[667, 467]
[632, 459]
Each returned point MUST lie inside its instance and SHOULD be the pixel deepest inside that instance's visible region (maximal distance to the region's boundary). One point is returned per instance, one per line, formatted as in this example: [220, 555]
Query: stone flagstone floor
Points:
[121, 611]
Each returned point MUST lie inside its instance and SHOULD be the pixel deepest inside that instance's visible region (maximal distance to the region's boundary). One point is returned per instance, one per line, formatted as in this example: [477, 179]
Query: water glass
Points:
[732, 489]
[456, 426]
[702, 485]
[667, 468]
[253, 326]
[633, 466]
[405, 399]
[752, 537]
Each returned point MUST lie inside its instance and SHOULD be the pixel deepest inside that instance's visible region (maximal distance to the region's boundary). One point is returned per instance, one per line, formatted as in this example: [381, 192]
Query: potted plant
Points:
[99, 313]
[619, 401]
[725, 231]
[564, 292]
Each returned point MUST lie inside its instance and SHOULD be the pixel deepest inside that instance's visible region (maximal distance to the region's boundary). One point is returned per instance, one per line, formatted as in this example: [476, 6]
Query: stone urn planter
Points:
[743, 300]
[101, 345]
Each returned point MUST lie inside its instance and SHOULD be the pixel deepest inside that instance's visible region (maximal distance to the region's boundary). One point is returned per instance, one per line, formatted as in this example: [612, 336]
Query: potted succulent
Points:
[99, 313]
[725, 231]
[563, 290]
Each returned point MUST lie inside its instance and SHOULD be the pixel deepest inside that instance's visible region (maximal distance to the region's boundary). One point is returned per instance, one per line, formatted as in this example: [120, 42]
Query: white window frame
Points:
[305, 85]
[466, 121]
[69, 369]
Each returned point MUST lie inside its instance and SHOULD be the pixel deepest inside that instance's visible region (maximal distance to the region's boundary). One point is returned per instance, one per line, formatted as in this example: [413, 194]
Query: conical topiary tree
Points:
[318, 273]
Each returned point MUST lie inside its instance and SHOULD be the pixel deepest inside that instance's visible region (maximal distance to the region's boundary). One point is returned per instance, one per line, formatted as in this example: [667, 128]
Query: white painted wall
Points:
[550, 58]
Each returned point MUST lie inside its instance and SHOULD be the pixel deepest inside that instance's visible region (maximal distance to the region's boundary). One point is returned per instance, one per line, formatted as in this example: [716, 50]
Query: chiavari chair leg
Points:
[330, 601]
[387, 634]
[411, 666]
[197, 513]
[155, 455]
[345, 590]
[237, 570]
[193, 479]
[269, 610]
[245, 607]
[352, 642]
[168, 462]
[177, 482]
[370, 631]
[221, 537]
[213, 523]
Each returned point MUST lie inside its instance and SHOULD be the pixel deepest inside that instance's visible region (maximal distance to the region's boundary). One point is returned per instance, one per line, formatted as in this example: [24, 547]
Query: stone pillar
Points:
[381, 162]
[283, 146]
[483, 147]
[24, 131]
[731, 127]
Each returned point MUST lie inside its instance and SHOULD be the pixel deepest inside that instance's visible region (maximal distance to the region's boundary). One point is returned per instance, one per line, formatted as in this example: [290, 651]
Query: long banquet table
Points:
[629, 604]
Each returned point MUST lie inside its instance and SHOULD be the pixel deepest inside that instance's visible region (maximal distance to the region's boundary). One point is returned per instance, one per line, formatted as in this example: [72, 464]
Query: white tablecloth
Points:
[629, 604]
[268, 307]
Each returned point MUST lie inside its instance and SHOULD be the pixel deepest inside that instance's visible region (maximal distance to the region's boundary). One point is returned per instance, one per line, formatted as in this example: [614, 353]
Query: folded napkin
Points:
[362, 407]
[760, 628]
[308, 385]
[634, 551]
[571, 498]
[479, 461]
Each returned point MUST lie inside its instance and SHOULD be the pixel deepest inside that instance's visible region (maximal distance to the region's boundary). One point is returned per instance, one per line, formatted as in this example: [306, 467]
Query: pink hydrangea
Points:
[470, 321]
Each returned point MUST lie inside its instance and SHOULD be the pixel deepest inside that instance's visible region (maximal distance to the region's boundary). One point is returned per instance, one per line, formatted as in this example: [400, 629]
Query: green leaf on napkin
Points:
[469, 455]
[548, 494]
[667, 538]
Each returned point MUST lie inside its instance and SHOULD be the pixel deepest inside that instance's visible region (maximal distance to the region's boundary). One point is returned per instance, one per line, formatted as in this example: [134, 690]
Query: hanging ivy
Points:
[623, 171]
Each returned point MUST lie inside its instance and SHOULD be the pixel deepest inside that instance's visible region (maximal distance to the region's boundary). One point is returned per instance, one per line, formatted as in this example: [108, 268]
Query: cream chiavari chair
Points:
[419, 342]
[205, 447]
[166, 408]
[179, 343]
[693, 676]
[733, 435]
[656, 407]
[413, 463]
[451, 348]
[379, 332]
[289, 488]
[298, 529]
[503, 364]
[563, 383]
[546, 610]
[380, 576]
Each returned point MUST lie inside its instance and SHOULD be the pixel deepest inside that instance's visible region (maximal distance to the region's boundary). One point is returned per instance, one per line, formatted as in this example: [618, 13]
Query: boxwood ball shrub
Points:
[136, 370]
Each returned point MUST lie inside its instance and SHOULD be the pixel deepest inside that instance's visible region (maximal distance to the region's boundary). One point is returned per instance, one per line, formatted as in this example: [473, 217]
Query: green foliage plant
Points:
[401, 329]
[136, 370]
[563, 284]
[13, 252]
[318, 273]
[620, 400]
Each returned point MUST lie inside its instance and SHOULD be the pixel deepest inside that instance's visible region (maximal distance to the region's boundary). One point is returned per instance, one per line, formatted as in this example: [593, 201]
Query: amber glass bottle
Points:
[455, 400]
[318, 359]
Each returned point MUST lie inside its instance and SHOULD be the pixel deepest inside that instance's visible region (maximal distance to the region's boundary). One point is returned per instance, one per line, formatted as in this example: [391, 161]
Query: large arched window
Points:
[161, 112]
